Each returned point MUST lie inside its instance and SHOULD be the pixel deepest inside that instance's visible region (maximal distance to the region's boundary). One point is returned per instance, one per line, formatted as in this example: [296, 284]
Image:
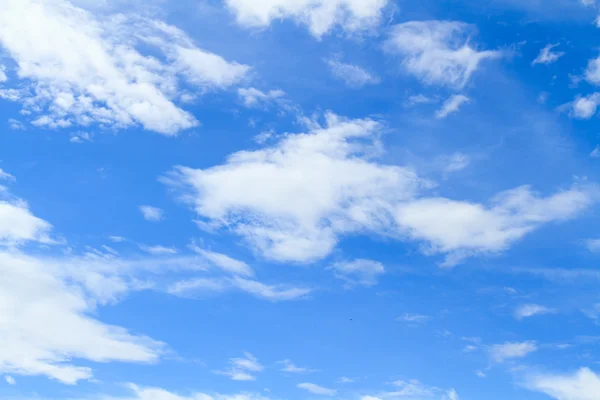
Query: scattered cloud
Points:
[581, 385]
[316, 389]
[414, 319]
[411, 389]
[593, 245]
[455, 162]
[352, 75]
[438, 52]
[242, 369]
[420, 98]
[289, 367]
[530, 310]
[81, 137]
[585, 107]
[10, 380]
[153, 393]
[252, 97]
[152, 214]
[345, 379]
[507, 351]
[358, 272]
[596, 152]
[452, 105]
[547, 56]
[319, 15]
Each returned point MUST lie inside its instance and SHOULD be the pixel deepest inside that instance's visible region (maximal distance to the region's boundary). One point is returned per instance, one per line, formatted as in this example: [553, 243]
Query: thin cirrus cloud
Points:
[353, 76]
[320, 16]
[316, 389]
[242, 368]
[437, 52]
[548, 56]
[452, 105]
[531, 310]
[295, 200]
[358, 272]
[94, 74]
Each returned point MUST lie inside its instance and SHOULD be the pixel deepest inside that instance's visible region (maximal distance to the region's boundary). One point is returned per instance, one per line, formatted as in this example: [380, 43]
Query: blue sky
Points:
[299, 199]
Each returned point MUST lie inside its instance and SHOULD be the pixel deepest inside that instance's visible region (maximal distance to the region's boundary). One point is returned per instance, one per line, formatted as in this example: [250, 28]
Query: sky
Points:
[299, 199]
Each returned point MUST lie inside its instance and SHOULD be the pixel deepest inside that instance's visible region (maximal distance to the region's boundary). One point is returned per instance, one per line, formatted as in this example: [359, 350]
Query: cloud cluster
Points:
[294, 200]
[320, 16]
[95, 73]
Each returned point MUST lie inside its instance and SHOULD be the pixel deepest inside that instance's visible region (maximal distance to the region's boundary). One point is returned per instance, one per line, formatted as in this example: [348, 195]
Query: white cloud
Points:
[293, 201]
[345, 379]
[411, 389]
[253, 97]
[5, 176]
[451, 395]
[353, 75]
[81, 137]
[158, 250]
[595, 153]
[18, 224]
[530, 310]
[359, 272]
[316, 389]
[319, 15]
[225, 262]
[593, 245]
[153, 393]
[242, 369]
[581, 385]
[289, 367]
[152, 214]
[420, 98]
[46, 322]
[10, 380]
[506, 351]
[452, 105]
[437, 52]
[3, 77]
[274, 293]
[460, 229]
[414, 319]
[547, 56]
[94, 73]
[585, 107]
[455, 162]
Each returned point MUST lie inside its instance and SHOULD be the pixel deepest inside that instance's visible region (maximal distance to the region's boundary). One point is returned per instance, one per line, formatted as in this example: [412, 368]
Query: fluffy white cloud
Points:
[506, 351]
[452, 105]
[242, 369]
[353, 75]
[93, 72]
[293, 201]
[437, 52]
[152, 214]
[316, 389]
[18, 224]
[530, 310]
[359, 272]
[46, 322]
[10, 380]
[547, 56]
[585, 107]
[581, 385]
[319, 15]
